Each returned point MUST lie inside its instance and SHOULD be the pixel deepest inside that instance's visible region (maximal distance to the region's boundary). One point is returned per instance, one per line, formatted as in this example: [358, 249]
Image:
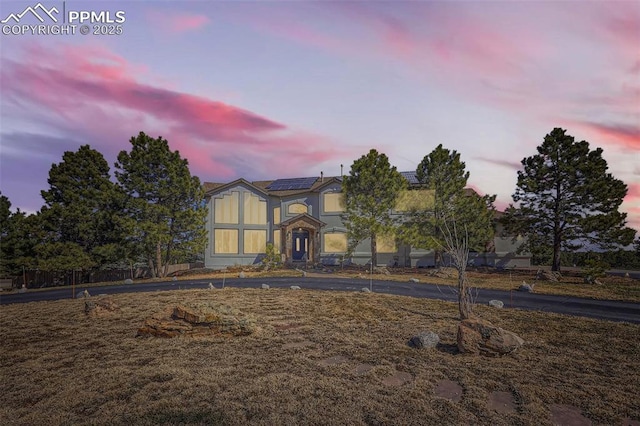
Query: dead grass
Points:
[58, 366]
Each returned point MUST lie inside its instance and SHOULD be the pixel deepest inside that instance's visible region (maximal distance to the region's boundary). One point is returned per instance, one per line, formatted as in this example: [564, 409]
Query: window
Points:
[225, 241]
[297, 208]
[276, 239]
[335, 242]
[255, 241]
[226, 208]
[255, 210]
[386, 244]
[276, 215]
[333, 202]
[414, 199]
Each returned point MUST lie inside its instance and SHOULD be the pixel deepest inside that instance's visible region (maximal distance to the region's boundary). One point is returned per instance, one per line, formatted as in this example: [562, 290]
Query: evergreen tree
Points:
[371, 189]
[165, 209]
[5, 216]
[455, 221]
[567, 199]
[81, 211]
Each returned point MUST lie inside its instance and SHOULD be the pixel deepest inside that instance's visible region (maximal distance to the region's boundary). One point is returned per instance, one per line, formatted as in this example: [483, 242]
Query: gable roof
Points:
[262, 186]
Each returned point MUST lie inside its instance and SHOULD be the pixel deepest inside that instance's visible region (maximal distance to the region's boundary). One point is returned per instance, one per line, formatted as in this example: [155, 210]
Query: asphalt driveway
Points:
[601, 309]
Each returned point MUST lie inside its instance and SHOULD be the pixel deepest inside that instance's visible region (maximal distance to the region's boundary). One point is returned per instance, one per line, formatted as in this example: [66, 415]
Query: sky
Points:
[276, 89]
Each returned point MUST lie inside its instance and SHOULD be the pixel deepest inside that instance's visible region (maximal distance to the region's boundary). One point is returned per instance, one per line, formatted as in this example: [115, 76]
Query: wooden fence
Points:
[38, 279]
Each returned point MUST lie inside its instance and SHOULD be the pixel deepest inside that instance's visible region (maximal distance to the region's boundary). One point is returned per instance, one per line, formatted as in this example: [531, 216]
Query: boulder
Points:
[414, 280]
[554, 276]
[99, 307]
[426, 339]
[199, 319]
[241, 274]
[265, 286]
[128, 281]
[366, 290]
[211, 287]
[295, 287]
[525, 287]
[496, 304]
[478, 336]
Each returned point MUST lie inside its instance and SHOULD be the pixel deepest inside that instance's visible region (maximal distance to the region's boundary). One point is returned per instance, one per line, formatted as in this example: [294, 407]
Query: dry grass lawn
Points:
[59, 366]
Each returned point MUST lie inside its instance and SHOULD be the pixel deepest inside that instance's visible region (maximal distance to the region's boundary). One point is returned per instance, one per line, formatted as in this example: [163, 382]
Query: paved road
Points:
[601, 309]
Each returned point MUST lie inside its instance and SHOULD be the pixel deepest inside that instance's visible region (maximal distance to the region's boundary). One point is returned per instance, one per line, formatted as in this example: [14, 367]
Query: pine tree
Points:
[455, 222]
[371, 190]
[81, 211]
[567, 199]
[165, 208]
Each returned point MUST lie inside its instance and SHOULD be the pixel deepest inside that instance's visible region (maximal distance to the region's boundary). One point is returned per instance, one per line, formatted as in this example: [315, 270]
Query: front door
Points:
[300, 251]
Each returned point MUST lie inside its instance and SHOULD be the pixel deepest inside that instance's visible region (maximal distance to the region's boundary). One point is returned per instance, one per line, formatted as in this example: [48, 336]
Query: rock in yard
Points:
[99, 307]
[478, 336]
[199, 319]
[426, 339]
[496, 303]
[366, 290]
[295, 287]
[414, 280]
[241, 274]
[265, 286]
[128, 281]
[548, 275]
[525, 287]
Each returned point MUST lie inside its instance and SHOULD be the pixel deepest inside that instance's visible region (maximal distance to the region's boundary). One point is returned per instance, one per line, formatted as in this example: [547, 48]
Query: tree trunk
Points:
[152, 268]
[464, 301]
[555, 265]
[374, 251]
[159, 260]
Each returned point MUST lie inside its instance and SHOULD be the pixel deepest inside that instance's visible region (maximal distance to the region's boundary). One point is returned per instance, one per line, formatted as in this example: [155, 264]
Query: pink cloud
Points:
[626, 136]
[68, 88]
[177, 22]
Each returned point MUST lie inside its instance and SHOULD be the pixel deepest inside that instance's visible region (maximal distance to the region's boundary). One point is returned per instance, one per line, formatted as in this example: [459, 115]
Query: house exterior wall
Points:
[504, 256]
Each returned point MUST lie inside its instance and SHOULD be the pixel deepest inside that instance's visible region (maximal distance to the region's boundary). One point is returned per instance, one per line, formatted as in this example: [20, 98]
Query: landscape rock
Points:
[414, 280]
[525, 287]
[443, 273]
[426, 339]
[128, 281]
[478, 336]
[99, 307]
[265, 286]
[554, 276]
[496, 303]
[366, 290]
[199, 319]
[241, 274]
[295, 287]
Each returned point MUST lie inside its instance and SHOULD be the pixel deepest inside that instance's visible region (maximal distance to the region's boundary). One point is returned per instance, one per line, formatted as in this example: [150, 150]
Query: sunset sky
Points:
[274, 89]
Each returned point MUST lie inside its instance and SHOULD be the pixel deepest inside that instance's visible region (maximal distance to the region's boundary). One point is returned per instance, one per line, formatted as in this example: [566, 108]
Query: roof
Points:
[262, 185]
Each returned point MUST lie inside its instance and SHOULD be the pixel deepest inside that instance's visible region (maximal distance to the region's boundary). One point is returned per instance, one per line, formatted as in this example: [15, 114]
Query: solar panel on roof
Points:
[292, 184]
[410, 177]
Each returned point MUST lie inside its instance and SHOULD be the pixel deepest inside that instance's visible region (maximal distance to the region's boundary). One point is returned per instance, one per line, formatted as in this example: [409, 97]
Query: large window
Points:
[333, 202]
[255, 241]
[386, 244]
[276, 239]
[255, 210]
[335, 242]
[414, 199]
[226, 208]
[297, 208]
[225, 241]
[276, 215]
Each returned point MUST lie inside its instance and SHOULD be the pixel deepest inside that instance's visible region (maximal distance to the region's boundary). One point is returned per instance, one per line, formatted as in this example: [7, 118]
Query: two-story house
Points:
[302, 218]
